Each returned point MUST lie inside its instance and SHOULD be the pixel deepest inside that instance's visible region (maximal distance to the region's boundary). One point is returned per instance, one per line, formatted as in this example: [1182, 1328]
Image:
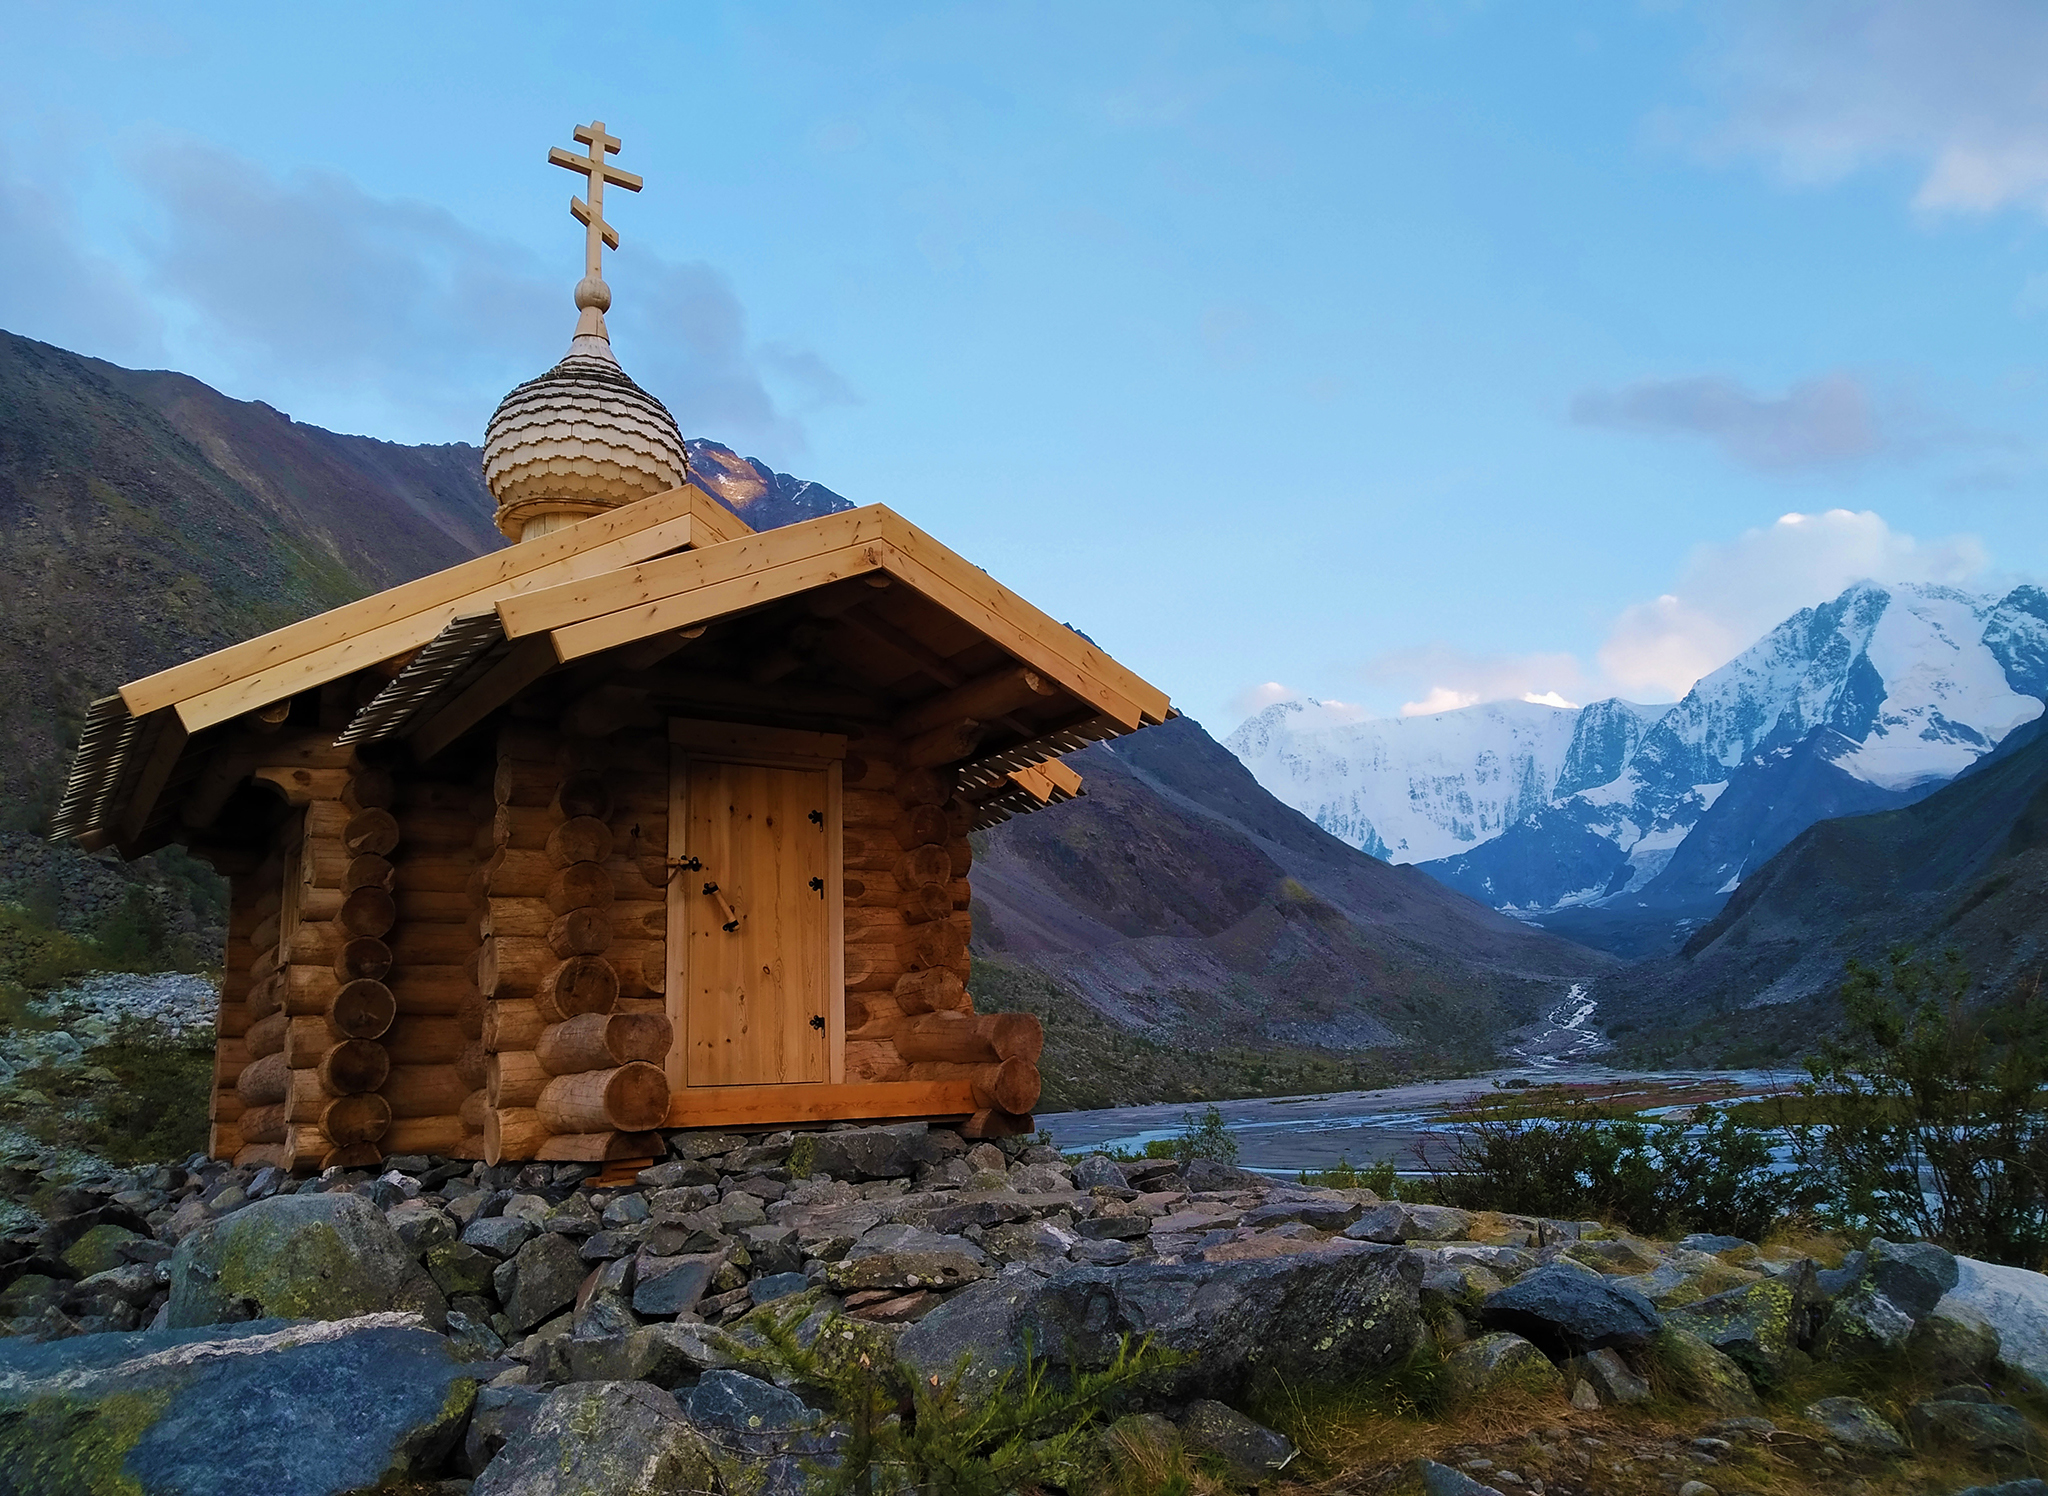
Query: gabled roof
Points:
[461, 643]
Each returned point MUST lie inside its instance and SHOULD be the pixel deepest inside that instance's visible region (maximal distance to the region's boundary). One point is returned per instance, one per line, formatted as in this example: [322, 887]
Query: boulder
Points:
[501, 1236]
[328, 1256]
[98, 1249]
[1753, 1326]
[871, 1152]
[2014, 1302]
[1394, 1222]
[1855, 1425]
[1953, 1342]
[1913, 1275]
[1098, 1171]
[1609, 1378]
[938, 1270]
[734, 1403]
[500, 1413]
[1248, 1451]
[601, 1439]
[776, 1286]
[1339, 1311]
[545, 1276]
[1568, 1310]
[667, 1286]
[458, 1268]
[1863, 1322]
[1704, 1375]
[1324, 1215]
[263, 1408]
[1989, 1431]
[421, 1225]
[1501, 1362]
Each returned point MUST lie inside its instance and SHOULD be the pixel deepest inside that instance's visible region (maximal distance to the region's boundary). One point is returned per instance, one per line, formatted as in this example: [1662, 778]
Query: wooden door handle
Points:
[732, 918]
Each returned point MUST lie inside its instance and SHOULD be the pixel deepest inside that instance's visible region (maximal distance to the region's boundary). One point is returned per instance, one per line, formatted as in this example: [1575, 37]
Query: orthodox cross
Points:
[598, 234]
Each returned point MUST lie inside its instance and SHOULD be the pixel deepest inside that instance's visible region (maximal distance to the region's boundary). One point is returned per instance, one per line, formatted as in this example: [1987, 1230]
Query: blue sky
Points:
[1404, 354]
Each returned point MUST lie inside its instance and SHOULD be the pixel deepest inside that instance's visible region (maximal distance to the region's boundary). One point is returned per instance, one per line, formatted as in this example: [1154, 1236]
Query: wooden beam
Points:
[631, 589]
[484, 574]
[880, 632]
[983, 699]
[734, 737]
[239, 756]
[687, 693]
[529, 660]
[341, 656]
[730, 1106]
[166, 746]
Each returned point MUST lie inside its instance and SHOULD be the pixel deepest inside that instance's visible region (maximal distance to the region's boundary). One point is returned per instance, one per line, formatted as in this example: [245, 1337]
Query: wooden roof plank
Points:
[353, 651]
[466, 579]
[639, 586]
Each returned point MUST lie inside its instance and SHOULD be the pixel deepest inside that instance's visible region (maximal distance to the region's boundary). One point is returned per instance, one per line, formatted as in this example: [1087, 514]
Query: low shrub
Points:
[1345, 1175]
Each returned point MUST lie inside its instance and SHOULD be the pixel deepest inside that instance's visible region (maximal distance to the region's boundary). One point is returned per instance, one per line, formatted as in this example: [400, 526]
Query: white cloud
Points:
[1439, 699]
[1954, 90]
[1255, 699]
[1437, 678]
[1730, 595]
[1548, 698]
[1828, 421]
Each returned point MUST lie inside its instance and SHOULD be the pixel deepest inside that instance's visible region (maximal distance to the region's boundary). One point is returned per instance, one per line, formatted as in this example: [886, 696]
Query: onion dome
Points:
[582, 438]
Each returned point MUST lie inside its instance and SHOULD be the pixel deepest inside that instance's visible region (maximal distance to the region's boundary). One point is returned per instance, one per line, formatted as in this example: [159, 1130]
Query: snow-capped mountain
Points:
[1867, 702]
[1409, 789]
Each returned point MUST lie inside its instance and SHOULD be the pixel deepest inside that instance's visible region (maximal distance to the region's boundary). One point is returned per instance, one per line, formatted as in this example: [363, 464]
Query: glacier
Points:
[1868, 701]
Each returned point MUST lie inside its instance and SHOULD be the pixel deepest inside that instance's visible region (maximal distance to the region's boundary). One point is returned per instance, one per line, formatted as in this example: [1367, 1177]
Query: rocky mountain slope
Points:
[1183, 904]
[1653, 816]
[1965, 868]
[155, 519]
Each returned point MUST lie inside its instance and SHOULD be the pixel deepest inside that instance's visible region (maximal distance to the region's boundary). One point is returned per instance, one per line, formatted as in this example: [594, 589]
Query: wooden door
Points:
[756, 965]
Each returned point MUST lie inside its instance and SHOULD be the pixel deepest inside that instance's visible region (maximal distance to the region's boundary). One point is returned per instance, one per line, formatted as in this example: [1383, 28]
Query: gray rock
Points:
[667, 1286]
[1098, 1170]
[502, 1236]
[1989, 1431]
[1324, 1215]
[1835, 1281]
[1703, 1375]
[1248, 1450]
[870, 1152]
[939, 1270]
[264, 1408]
[2027, 1487]
[472, 1339]
[421, 1225]
[1501, 1361]
[737, 1403]
[896, 1236]
[544, 1279]
[601, 1439]
[1428, 1478]
[500, 1413]
[1338, 1309]
[1102, 1253]
[1571, 1310]
[1132, 1227]
[1612, 1381]
[1701, 1241]
[1855, 1425]
[457, 1268]
[776, 1286]
[1393, 1221]
[328, 1256]
[1913, 1275]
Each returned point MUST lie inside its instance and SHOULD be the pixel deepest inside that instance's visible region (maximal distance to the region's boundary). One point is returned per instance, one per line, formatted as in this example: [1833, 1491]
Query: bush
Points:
[1345, 1175]
[1926, 1120]
[1652, 1179]
[1203, 1137]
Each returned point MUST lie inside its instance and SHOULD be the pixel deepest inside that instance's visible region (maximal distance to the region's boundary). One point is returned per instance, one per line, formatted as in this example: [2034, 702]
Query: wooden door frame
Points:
[692, 740]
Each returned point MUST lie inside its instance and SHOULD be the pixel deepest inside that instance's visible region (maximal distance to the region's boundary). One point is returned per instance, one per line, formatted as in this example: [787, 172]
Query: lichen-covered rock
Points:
[602, 1439]
[1393, 1221]
[1752, 1326]
[1862, 1322]
[1703, 1375]
[327, 1256]
[1855, 1425]
[1338, 1310]
[939, 1270]
[1098, 1170]
[1570, 1309]
[98, 1249]
[256, 1409]
[1502, 1362]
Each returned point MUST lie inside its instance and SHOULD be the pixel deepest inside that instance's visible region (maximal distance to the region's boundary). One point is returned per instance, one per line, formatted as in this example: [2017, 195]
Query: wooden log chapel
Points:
[646, 821]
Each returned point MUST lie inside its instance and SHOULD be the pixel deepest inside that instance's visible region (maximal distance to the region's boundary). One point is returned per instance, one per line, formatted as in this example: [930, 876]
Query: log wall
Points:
[572, 1030]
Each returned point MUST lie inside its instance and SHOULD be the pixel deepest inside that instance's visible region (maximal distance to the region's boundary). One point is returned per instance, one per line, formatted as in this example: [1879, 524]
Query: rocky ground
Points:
[523, 1328]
